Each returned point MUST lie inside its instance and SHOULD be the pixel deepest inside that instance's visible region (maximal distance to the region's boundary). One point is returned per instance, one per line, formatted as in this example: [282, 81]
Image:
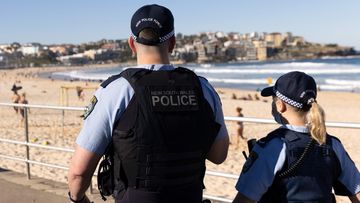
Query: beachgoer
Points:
[22, 100]
[80, 93]
[233, 96]
[256, 96]
[156, 124]
[298, 162]
[240, 127]
[15, 97]
[249, 97]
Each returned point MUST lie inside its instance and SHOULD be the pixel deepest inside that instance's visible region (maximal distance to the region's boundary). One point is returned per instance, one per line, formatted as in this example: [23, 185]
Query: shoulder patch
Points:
[90, 107]
[249, 161]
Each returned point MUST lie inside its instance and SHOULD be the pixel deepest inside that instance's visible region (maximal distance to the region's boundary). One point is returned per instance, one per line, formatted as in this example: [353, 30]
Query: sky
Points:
[79, 21]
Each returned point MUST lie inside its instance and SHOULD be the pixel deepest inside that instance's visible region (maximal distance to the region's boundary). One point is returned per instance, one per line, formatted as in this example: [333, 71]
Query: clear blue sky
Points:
[77, 21]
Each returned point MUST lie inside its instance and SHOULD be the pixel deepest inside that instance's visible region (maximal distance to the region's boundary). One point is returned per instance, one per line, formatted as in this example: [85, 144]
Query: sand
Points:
[55, 128]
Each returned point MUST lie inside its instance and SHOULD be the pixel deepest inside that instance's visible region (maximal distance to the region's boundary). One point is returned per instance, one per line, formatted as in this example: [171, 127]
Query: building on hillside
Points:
[33, 49]
[234, 36]
[201, 51]
[76, 59]
[60, 50]
[275, 38]
[111, 46]
[237, 48]
[4, 47]
[261, 52]
[297, 41]
[101, 54]
[212, 49]
[250, 50]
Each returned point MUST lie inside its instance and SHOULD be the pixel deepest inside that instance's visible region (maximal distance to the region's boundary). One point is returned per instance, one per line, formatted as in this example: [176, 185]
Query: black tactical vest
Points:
[309, 172]
[161, 141]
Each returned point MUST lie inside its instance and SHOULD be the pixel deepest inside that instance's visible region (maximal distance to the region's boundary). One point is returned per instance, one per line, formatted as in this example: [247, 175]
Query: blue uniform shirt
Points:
[111, 102]
[255, 182]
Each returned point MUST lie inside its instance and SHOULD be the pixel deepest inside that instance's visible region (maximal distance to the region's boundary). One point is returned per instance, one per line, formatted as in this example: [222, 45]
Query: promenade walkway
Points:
[16, 188]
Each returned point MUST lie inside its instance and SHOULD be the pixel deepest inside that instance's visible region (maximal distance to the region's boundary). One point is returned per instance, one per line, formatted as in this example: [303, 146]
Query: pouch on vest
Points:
[105, 176]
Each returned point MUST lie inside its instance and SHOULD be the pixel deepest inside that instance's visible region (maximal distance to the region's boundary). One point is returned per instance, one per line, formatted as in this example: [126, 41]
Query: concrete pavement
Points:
[16, 188]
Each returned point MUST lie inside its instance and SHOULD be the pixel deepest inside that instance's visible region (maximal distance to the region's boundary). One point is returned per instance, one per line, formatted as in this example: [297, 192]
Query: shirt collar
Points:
[296, 128]
[157, 66]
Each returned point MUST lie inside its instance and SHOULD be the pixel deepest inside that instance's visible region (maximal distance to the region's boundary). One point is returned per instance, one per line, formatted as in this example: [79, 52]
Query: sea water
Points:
[334, 74]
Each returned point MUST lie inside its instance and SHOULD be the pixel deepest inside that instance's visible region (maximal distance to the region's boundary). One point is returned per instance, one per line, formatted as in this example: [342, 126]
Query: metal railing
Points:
[27, 144]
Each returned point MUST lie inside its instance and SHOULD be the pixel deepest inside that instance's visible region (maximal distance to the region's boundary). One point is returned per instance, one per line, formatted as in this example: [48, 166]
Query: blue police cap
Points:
[294, 88]
[154, 16]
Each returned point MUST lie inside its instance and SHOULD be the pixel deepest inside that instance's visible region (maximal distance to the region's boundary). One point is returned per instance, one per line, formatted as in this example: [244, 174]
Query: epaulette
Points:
[203, 78]
[109, 80]
[279, 132]
[328, 137]
[130, 73]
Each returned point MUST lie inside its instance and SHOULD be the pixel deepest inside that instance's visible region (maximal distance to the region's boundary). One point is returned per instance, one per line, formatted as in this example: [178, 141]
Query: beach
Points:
[57, 128]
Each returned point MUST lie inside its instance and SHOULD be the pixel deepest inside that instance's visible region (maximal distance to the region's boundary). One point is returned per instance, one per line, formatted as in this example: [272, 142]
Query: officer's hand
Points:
[85, 200]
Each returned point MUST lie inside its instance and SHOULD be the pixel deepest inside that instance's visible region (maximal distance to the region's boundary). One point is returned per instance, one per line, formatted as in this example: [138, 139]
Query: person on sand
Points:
[300, 161]
[15, 97]
[240, 127]
[22, 100]
[155, 123]
[257, 98]
[80, 93]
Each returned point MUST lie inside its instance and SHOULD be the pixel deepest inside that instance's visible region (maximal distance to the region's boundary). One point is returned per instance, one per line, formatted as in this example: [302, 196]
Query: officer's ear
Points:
[132, 45]
[172, 42]
[280, 106]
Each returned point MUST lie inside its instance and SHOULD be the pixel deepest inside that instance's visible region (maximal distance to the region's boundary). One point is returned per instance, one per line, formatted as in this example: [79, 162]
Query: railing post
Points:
[63, 123]
[27, 141]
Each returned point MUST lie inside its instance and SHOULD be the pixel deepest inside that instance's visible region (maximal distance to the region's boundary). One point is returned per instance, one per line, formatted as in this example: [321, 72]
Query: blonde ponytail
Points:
[316, 123]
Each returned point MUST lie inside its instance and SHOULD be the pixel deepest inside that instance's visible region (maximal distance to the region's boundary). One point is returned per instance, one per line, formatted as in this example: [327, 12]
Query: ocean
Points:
[330, 73]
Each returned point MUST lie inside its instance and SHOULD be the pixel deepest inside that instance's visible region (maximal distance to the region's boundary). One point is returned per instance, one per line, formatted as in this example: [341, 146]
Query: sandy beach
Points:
[55, 128]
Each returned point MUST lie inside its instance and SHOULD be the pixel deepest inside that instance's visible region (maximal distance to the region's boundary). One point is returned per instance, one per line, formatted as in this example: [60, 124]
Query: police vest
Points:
[161, 141]
[309, 172]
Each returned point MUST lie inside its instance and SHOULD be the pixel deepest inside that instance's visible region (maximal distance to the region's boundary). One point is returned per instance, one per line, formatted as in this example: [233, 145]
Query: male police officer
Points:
[159, 122]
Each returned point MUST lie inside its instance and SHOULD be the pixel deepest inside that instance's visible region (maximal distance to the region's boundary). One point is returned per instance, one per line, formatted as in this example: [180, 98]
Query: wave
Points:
[331, 85]
[353, 83]
[349, 88]
[82, 75]
[340, 57]
[278, 71]
[240, 81]
[303, 64]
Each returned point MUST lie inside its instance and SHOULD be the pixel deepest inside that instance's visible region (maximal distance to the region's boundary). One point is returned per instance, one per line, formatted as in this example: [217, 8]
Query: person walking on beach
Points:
[155, 123]
[15, 97]
[80, 93]
[298, 162]
[22, 100]
[240, 127]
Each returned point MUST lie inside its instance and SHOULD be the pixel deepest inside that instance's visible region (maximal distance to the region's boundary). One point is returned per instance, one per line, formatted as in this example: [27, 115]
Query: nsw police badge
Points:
[90, 107]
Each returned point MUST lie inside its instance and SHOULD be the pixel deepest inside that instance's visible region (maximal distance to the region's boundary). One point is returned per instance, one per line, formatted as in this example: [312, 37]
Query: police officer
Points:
[298, 162]
[158, 123]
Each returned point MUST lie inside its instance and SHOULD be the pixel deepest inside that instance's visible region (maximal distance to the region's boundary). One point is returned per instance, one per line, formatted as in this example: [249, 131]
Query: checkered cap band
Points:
[288, 100]
[166, 37]
[161, 39]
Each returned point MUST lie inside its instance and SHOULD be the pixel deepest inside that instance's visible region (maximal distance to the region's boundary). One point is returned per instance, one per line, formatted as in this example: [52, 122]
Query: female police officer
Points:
[298, 162]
